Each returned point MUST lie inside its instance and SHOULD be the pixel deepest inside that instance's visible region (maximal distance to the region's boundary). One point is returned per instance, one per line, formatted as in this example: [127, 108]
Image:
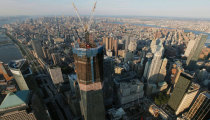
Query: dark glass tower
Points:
[37, 46]
[183, 93]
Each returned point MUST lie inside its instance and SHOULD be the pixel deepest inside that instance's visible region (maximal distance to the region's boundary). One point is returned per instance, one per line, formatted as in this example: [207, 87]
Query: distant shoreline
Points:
[155, 26]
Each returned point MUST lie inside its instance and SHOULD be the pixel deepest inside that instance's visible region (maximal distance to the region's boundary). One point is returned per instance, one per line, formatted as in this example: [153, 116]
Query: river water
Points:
[10, 51]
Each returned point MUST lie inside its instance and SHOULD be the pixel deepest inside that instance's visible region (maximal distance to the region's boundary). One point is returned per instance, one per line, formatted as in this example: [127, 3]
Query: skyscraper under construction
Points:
[88, 58]
[89, 69]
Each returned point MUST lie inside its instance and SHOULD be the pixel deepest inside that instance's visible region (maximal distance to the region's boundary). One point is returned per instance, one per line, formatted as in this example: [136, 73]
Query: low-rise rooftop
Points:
[13, 100]
[17, 64]
[207, 94]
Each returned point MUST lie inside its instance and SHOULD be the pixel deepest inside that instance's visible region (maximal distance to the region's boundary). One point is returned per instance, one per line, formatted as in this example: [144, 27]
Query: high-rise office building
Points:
[190, 46]
[129, 90]
[162, 72]
[132, 45]
[146, 69]
[129, 56]
[183, 93]
[111, 44]
[56, 58]
[175, 72]
[37, 46]
[47, 53]
[115, 47]
[89, 68]
[147, 62]
[155, 65]
[200, 110]
[153, 46]
[22, 74]
[107, 81]
[127, 42]
[106, 42]
[22, 105]
[44, 49]
[195, 52]
[154, 68]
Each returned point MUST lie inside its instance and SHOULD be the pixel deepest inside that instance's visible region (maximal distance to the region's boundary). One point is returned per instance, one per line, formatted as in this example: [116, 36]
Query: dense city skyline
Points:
[178, 8]
[121, 60]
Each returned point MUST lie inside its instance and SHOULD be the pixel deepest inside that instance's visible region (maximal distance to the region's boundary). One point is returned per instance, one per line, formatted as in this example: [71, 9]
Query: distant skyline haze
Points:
[167, 8]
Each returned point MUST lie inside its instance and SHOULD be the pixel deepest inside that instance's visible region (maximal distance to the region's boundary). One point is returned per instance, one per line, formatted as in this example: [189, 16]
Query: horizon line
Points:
[151, 16]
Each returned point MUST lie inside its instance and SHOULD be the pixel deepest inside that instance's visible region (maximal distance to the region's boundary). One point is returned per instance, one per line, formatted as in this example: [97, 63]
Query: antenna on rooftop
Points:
[86, 27]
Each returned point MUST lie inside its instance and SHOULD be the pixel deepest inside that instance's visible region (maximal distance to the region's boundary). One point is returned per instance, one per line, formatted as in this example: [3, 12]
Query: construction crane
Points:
[86, 27]
[91, 16]
[80, 20]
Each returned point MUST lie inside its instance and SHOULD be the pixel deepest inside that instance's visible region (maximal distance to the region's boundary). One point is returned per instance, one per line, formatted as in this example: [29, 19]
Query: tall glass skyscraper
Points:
[194, 54]
[183, 93]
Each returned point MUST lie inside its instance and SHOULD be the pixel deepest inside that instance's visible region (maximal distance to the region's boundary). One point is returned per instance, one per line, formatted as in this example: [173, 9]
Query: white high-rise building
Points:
[187, 98]
[183, 93]
[132, 45]
[155, 64]
[154, 68]
[153, 46]
[163, 71]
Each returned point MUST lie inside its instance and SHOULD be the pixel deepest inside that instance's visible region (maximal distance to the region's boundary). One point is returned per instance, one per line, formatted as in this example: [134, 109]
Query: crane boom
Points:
[91, 15]
[86, 26]
[76, 10]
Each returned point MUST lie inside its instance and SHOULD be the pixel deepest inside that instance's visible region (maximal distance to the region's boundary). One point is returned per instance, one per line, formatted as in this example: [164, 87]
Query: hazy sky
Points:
[177, 8]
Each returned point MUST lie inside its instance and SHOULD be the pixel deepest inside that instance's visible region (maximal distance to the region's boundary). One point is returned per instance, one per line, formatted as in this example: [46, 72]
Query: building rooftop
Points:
[2, 77]
[129, 83]
[193, 87]
[59, 40]
[73, 77]
[125, 77]
[15, 99]
[17, 64]
[187, 75]
[207, 94]
[88, 52]
[116, 113]
[162, 83]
